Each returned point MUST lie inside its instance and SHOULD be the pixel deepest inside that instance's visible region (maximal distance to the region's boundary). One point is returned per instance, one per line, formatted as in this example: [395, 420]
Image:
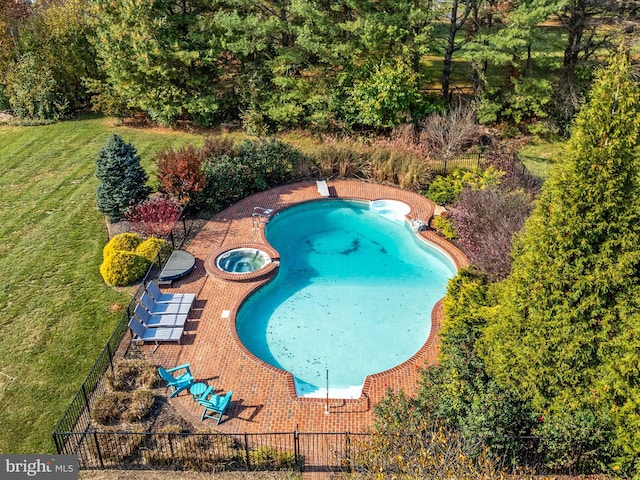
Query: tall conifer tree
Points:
[567, 335]
[122, 178]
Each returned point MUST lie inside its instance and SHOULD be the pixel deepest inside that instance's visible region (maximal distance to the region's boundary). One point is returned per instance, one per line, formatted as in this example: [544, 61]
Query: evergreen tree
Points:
[566, 336]
[162, 57]
[122, 178]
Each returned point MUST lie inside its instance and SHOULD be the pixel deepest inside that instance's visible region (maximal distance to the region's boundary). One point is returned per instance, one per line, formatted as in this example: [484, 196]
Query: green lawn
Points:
[540, 157]
[55, 311]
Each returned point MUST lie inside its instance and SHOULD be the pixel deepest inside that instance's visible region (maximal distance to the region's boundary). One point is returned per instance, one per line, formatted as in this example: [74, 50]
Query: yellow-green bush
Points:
[125, 241]
[443, 225]
[122, 268]
[152, 248]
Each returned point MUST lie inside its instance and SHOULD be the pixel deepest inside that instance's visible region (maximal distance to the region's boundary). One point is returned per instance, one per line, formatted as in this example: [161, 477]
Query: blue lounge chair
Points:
[154, 334]
[156, 321]
[177, 383]
[160, 297]
[217, 404]
[163, 308]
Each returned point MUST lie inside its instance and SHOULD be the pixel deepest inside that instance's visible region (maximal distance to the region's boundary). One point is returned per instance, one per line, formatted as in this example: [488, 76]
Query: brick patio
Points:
[264, 397]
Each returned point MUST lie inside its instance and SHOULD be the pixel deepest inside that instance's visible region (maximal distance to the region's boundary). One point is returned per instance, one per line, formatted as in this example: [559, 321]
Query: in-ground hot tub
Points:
[242, 262]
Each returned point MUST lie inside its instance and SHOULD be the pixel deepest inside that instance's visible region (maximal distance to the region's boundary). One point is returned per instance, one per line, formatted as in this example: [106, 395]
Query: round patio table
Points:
[197, 389]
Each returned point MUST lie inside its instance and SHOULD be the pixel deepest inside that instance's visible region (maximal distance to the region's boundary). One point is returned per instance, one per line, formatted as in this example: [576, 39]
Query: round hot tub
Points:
[242, 260]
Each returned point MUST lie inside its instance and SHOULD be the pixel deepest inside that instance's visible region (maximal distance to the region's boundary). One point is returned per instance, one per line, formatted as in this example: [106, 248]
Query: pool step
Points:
[388, 211]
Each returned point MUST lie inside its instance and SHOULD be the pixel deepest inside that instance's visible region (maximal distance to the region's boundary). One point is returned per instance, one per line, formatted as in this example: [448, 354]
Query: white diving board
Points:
[323, 189]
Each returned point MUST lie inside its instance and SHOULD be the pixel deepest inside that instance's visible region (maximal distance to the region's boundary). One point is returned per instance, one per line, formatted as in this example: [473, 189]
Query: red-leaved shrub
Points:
[180, 172]
[485, 222]
[154, 217]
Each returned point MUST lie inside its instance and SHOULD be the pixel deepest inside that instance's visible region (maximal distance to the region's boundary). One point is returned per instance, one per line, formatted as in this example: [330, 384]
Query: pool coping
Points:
[213, 334]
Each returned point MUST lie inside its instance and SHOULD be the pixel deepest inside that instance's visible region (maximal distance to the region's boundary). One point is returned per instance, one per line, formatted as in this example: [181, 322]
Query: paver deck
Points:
[263, 397]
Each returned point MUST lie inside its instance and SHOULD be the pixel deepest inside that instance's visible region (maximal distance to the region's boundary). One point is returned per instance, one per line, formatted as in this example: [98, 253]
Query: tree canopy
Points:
[330, 66]
[565, 336]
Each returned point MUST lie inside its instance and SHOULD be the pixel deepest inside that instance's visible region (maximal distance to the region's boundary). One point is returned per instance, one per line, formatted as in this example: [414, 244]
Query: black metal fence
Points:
[209, 451]
[465, 161]
[470, 161]
[299, 451]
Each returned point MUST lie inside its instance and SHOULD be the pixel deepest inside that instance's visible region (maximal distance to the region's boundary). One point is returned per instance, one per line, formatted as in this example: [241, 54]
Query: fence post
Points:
[169, 437]
[348, 451]
[246, 450]
[86, 399]
[55, 440]
[95, 440]
[110, 357]
[296, 449]
[444, 167]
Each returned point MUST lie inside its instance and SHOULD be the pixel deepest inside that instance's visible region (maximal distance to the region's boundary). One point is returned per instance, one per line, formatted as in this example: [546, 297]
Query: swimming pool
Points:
[353, 296]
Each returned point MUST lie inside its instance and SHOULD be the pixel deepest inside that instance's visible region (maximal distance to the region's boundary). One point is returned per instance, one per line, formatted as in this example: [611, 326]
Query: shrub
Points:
[123, 268]
[458, 391]
[486, 221]
[127, 242]
[122, 178]
[271, 161]
[516, 176]
[204, 450]
[132, 374]
[33, 92]
[452, 132]
[139, 405]
[113, 448]
[180, 172]
[445, 190]
[399, 168]
[215, 147]
[442, 223]
[406, 444]
[154, 250]
[113, 408]
[335, 159]
[228, 180]
[269, 458]
[154, 217]
[106, 409]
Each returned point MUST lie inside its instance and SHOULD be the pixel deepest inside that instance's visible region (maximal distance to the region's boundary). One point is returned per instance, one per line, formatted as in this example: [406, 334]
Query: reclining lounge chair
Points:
[160, 297]
[164, 321]
[163, 308]
[156, 335]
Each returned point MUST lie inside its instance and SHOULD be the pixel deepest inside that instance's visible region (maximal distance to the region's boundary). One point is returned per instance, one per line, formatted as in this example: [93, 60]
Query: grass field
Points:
[540, 157]
[56, 313]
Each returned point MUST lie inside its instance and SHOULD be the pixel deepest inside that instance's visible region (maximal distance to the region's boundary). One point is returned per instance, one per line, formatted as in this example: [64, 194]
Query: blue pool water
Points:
[353, 295]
